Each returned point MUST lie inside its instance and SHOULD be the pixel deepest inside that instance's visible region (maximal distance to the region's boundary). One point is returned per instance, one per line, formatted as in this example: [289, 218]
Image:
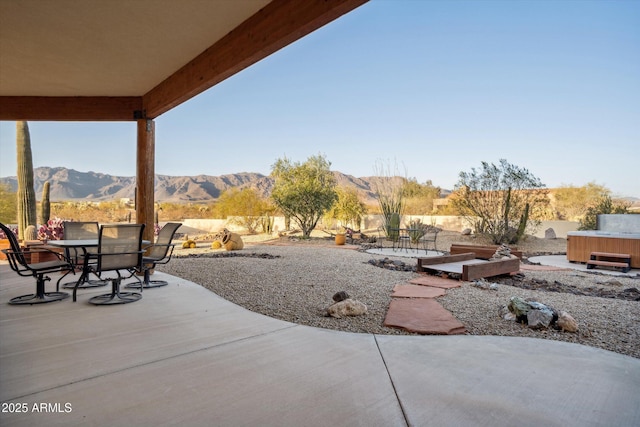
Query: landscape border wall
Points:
[370, 222]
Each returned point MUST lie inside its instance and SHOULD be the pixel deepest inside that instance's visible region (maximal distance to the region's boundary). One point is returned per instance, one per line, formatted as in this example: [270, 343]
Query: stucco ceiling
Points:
[133, 59]
[106, 48]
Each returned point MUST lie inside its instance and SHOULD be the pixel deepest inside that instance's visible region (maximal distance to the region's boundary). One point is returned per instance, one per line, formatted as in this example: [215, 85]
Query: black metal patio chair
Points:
[160, 253]
[429, 238]
[119, 251]
[80, 231]
[18, 261]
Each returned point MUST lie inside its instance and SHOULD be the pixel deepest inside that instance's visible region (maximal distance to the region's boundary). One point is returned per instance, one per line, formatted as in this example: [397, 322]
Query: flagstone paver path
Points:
[436, 281]
[414, 308]
[417, 291]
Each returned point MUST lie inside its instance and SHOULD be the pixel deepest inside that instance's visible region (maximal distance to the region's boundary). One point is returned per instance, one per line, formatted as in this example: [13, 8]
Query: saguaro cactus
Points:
[26, 194]
[30, 233]
[45, 203]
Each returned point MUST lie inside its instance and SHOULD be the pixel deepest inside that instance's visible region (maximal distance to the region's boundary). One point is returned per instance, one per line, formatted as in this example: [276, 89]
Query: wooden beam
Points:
[481, 251]
[275, 26]
[444, 259]
[145, 174]
[69, 108]
[496, 267]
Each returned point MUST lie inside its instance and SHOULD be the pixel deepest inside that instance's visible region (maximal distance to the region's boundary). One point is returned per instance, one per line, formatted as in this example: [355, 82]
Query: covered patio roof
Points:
[122, 60]
[125, 60]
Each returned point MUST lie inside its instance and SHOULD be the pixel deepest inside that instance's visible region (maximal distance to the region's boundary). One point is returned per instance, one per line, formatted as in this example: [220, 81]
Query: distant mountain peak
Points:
[69, 185]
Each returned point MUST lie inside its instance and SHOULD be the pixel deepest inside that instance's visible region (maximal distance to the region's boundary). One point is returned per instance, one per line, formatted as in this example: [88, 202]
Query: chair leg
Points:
[147, 283]
[40, 297]
[86, 283]
[115, 297]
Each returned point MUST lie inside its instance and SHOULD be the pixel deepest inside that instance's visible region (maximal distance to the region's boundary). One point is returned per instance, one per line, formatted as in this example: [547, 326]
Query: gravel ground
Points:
[295, 280]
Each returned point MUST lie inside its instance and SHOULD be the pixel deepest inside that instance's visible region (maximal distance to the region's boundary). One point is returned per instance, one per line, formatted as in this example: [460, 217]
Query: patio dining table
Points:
[84, 245]
[404, 238]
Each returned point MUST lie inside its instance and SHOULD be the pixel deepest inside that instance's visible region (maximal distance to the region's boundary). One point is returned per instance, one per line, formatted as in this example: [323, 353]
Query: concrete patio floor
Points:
[184, 356]
[561, 261]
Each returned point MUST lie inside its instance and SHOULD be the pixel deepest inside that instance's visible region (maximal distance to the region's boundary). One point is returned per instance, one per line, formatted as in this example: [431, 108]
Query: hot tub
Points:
[580, 244]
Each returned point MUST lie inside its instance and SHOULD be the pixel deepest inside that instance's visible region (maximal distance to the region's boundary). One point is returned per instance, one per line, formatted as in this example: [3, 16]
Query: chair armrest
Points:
[42, 250]
[165, 259]
[28, 268]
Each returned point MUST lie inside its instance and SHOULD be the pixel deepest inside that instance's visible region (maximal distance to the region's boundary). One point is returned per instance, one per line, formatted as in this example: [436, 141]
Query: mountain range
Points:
[71, 185]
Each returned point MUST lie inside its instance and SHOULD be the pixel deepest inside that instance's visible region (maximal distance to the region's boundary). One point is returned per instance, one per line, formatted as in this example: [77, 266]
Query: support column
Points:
[145, 175]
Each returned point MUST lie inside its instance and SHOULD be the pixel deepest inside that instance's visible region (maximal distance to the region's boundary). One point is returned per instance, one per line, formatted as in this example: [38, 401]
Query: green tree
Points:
[500, 200]
[245, 206]
[571, 203]
[605, 205]
[303, 191]
[8, 205]
[348, 209]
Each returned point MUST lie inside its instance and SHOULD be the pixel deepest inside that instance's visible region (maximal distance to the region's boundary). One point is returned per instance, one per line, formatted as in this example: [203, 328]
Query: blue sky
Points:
[434, 87]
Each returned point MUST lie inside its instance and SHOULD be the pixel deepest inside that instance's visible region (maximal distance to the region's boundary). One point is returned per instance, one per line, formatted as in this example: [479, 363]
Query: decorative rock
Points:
[502, 252]
[518, 306]
[484, 284]
[340, 296]
[392, 265]
[505, 313]
[566, 322]
[538, 319]
[549, 233]
[347, 307]
[613, 282]
[466, 232]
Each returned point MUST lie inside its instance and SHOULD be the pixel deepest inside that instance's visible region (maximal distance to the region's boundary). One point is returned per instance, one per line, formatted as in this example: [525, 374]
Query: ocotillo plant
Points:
[26, 194]
[393, 226]
[522, 226]
[45, 204]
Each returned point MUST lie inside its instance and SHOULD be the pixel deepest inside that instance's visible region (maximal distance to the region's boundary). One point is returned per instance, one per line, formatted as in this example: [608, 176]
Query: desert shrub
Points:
[245, 207]
[571, 203]
[8, 205]
[500, 200]
[419, 197]
[606, 205]
[348, 209]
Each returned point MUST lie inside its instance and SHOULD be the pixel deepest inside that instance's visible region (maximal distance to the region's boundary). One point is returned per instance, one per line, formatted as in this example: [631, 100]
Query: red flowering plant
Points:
[52, 230]
[14, 230]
